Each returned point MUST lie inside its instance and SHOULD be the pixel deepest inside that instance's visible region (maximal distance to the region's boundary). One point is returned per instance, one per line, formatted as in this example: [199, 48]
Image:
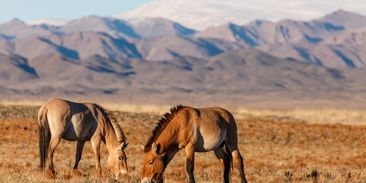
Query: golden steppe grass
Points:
[279, 146]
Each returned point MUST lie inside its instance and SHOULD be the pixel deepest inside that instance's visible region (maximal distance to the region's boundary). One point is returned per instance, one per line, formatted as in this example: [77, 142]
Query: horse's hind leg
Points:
[232, 146]
[225, 159]
[51, 149]
[79, 151]
[238, 162]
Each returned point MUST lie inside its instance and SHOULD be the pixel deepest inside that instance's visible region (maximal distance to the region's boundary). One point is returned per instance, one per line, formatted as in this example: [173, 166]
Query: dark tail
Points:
[233, 136]
[44, 136]
[229, 155]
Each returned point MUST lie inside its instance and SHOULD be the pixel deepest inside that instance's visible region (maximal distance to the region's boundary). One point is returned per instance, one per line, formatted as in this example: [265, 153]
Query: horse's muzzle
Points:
[146, 180]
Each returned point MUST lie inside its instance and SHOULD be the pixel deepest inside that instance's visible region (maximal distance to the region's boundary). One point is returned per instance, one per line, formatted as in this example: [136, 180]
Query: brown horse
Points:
[194, 130]
[80, 122]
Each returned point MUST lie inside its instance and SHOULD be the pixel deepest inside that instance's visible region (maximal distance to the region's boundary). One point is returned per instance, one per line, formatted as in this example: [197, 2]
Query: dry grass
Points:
[315, 116]
[276, 149]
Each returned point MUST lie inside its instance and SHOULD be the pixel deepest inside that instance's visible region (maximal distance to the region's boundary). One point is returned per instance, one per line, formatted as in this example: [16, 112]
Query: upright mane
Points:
[111, 120]
[160, 126]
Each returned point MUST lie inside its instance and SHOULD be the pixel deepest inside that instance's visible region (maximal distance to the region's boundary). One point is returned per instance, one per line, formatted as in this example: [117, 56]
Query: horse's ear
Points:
[155, 148]
[124, 145]
[142, 146]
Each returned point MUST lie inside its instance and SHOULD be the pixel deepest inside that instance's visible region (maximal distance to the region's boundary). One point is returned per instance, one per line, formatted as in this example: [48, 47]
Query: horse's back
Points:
[70, 119]
[217, 113]
[65, 107]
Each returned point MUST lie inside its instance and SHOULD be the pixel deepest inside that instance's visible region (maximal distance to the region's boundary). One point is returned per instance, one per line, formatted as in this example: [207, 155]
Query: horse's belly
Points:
[78, 129]
[206, 141]
[74, 135]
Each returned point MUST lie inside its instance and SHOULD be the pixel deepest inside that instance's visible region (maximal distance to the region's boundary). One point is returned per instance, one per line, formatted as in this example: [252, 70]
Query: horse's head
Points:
[117, 160]
[153, 165]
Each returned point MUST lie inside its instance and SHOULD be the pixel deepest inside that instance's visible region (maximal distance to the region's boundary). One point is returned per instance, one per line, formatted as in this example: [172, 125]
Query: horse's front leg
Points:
[95, 142]
[190, 162]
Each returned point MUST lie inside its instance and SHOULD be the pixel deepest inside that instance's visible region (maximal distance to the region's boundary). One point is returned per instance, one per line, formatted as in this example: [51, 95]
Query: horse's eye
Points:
[151, 162]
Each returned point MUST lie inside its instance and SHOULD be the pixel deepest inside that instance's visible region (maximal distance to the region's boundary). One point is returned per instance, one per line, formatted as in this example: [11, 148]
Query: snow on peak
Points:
[55, 22]
[201, 14]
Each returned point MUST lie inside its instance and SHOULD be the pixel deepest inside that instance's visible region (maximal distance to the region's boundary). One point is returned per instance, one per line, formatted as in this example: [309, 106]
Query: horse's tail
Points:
[233, 135]
[44, 136]
[229, 155]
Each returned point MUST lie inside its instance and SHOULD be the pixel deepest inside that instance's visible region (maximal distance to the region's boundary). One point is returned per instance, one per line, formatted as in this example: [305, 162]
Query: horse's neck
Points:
[168, 140]
[168, 137]
[110, 137]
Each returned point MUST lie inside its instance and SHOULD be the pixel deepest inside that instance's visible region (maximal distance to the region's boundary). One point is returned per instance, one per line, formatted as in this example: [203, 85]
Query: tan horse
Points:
[194, 130]
[80, 122]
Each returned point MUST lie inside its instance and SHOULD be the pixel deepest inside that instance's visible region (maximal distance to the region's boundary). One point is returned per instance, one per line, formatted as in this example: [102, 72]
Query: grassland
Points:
[279, 146]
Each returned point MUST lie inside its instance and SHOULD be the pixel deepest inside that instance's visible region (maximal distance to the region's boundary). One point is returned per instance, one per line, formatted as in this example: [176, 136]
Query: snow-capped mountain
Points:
[202, 14]
[96, 55]
[55, 22]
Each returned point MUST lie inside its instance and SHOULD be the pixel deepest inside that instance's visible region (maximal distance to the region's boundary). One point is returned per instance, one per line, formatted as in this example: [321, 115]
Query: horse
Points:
[193, 130]
[80, 122]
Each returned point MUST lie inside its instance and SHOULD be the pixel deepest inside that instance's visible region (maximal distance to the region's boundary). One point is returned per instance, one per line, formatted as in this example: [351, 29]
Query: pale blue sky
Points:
[29, 10]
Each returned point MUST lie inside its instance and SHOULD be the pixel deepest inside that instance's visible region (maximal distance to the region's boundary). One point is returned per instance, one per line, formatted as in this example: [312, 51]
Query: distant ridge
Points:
[320, 41]
[162, 61]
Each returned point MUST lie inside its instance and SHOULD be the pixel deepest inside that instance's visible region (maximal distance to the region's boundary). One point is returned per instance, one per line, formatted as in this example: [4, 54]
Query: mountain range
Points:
[163, 61]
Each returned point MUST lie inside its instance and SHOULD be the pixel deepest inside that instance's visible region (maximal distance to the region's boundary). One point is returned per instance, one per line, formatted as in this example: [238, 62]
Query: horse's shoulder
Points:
[92, 108]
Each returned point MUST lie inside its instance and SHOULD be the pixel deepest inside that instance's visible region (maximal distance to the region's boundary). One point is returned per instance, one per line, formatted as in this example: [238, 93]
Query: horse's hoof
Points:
[50, 174]
[76, 173]
[99, 173]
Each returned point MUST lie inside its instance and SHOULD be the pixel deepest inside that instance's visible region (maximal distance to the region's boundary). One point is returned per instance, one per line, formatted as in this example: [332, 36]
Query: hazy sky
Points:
[29, 10]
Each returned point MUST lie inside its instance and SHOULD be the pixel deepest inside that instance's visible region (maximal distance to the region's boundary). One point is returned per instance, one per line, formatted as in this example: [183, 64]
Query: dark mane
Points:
[160, 126]
[112, 120]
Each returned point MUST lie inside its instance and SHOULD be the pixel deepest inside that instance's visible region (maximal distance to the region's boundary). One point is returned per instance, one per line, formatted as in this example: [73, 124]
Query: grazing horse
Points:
[194, 130]
[80, 122]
